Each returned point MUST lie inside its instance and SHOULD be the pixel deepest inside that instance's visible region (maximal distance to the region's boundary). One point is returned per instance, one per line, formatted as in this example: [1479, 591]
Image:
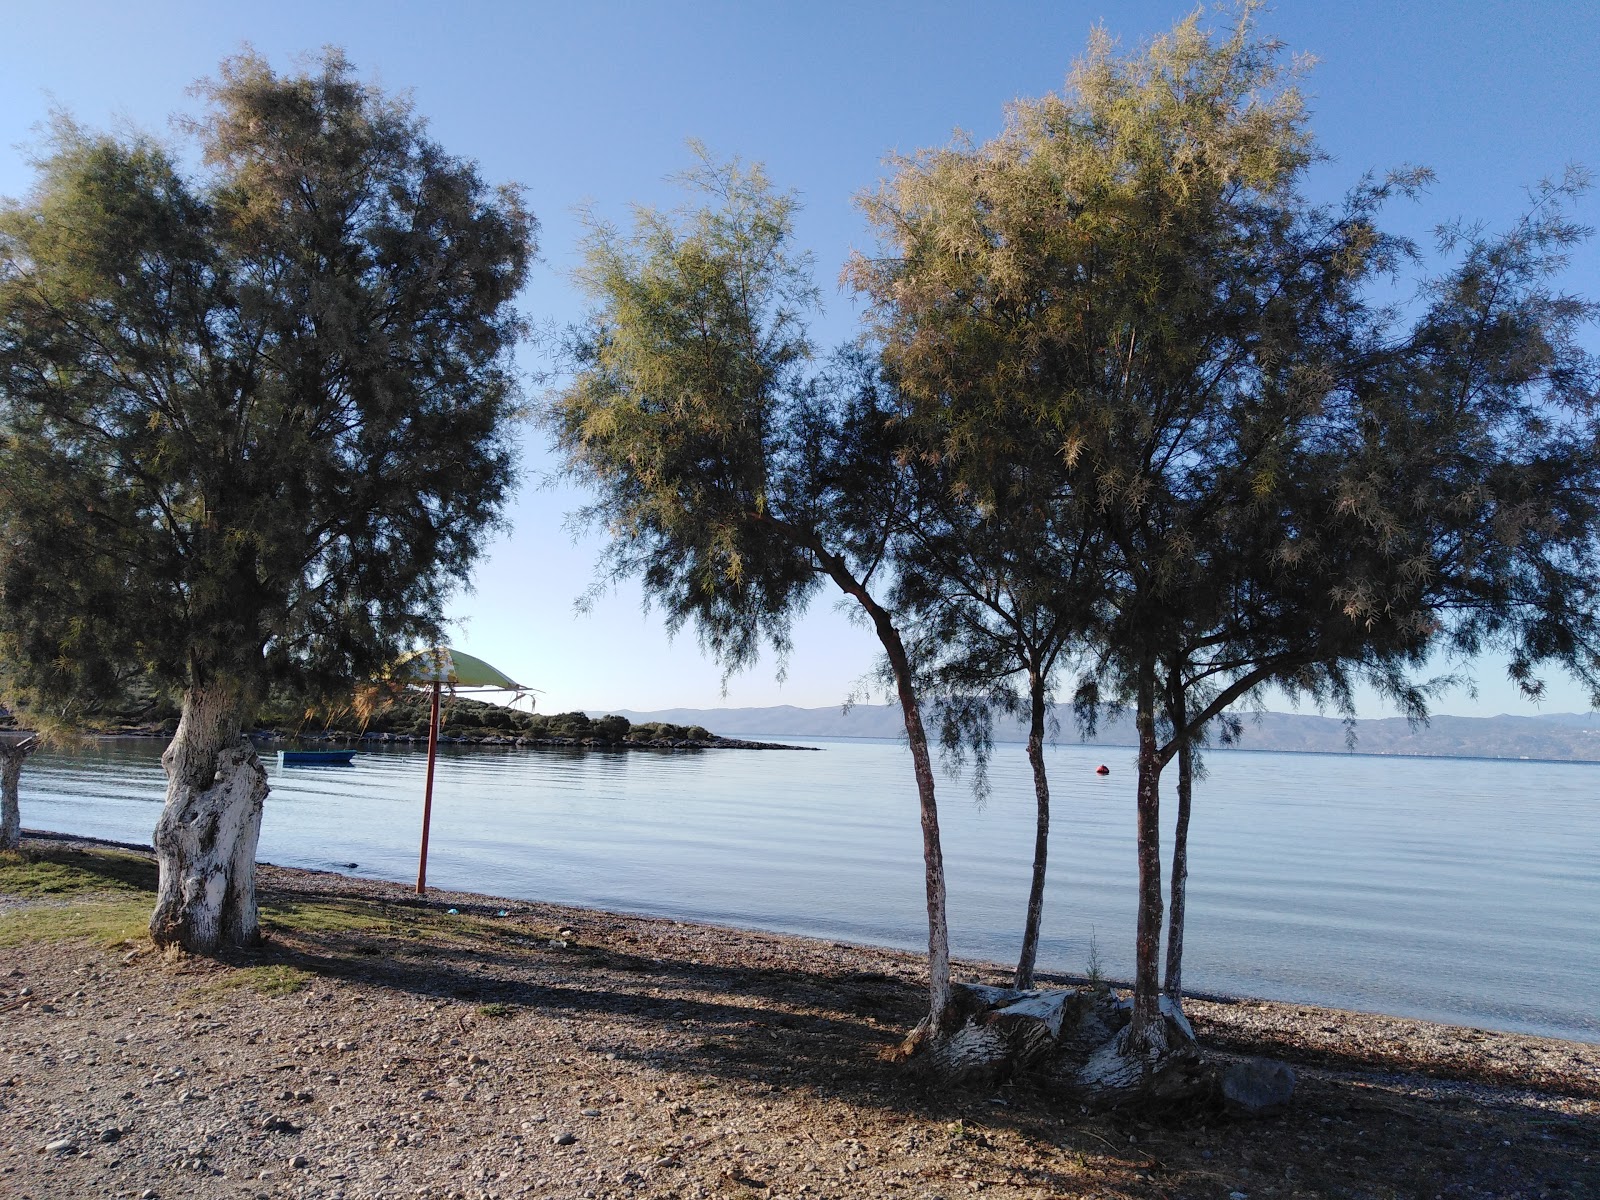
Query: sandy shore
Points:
[378, 1047]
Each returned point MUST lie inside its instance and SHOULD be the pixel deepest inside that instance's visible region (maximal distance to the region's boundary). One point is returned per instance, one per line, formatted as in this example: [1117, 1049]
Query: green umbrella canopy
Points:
[441, 664]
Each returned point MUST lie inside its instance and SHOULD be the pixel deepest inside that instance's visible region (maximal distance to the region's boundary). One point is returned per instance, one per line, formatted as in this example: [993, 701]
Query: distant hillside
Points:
[1564, 736]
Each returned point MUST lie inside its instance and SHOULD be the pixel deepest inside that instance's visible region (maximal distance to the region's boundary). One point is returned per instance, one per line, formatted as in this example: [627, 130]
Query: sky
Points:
[592, 104]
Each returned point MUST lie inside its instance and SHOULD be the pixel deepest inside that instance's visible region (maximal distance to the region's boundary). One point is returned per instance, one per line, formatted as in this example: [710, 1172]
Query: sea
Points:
[1458, 890]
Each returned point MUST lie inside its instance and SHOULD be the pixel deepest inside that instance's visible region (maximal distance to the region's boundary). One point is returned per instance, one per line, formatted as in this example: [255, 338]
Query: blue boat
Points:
[315, 758]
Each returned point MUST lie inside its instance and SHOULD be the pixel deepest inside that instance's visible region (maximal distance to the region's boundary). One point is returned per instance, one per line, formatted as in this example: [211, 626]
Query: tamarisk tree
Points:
[256, 424]
[1284, 484]
[734, 474]
[997, 589]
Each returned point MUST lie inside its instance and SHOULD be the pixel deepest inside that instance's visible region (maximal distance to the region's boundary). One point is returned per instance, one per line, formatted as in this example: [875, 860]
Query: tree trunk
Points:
[932, 850]
[922, 764]
[1173, 986]
[12, 756]
[1041, 835]
[206, 838]
[1146, 1035]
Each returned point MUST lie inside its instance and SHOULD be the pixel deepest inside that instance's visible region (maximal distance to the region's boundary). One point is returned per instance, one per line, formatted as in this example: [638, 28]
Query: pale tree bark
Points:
[12, 756]
[1146, 1035]
[932, 850]
[922, 765]
[1041, 834]
[1173, 984]
[206, 838]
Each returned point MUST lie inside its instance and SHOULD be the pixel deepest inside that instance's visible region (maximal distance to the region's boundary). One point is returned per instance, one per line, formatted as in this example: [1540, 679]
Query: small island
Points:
[465, 722]
[403, 720]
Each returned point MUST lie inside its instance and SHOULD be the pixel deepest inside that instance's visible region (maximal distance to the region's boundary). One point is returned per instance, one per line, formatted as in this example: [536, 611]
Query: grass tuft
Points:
[42, 871]
[325, 916]
[68, 892]
[270, 980]
[102, 920]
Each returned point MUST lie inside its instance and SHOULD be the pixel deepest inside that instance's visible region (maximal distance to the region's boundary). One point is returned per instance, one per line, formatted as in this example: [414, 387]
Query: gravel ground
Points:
[395, 1049]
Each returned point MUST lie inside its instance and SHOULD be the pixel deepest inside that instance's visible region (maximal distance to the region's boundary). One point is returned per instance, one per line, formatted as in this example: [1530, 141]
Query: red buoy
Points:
[1102, 769]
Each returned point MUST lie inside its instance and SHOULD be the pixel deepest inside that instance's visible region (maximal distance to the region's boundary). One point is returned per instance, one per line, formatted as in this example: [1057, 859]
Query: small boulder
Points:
[1257, 1086]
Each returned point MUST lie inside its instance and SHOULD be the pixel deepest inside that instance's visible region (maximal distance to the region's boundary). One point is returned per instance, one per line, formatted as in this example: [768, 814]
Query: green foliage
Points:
[1129, 340]
[254, 419]
[1174, 425]
[732, 474]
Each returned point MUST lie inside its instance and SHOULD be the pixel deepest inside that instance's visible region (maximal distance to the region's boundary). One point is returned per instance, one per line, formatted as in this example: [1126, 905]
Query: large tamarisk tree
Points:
[256, 424]
[735, 475]
[1129, 276]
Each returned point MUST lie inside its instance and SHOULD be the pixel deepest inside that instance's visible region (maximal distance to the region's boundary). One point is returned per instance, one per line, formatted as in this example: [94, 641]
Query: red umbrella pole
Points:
[427, 792]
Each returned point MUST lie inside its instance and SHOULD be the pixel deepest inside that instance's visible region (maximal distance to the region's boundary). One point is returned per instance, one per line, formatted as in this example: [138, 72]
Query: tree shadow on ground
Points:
[823, 1031]
[748, 1014]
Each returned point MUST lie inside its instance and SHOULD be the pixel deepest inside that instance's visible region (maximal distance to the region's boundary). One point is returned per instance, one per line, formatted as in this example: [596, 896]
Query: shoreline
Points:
[262, 739]
[987, 970]
[380, 1045]
[736, 743]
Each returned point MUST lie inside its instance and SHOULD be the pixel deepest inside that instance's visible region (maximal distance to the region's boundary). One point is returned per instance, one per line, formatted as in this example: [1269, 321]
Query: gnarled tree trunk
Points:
[1041, 835]
[12, 756]
[206, 838]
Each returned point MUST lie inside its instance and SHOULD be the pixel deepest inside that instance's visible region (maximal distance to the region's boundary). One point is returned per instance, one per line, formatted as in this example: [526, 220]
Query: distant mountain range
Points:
[1561, 736]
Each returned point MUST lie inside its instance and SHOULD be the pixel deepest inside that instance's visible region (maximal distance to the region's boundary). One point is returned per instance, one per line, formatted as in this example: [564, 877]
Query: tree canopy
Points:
[255, 418]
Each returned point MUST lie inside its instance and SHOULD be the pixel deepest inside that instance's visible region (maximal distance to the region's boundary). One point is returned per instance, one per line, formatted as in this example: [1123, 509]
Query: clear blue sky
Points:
[593, 102]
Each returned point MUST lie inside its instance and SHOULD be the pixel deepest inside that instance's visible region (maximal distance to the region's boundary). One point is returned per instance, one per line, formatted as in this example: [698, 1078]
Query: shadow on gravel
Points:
[735, 1016]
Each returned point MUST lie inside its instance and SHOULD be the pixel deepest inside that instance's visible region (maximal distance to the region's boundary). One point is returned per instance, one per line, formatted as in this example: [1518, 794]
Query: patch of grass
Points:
[273, 979]
[347, 915]
[107, 921]
[40, 871]
[69, 892]
[326, 916]
[496, 1010]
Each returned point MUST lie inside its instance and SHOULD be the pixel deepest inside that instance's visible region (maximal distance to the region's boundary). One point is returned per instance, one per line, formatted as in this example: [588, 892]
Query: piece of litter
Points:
[452, 912]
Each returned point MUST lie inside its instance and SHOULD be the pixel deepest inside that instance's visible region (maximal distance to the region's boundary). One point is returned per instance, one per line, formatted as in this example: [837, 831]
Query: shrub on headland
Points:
[405, 716]
[460, 717]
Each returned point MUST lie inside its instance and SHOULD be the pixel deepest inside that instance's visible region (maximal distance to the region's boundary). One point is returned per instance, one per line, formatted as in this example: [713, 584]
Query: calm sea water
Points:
[1457, 890]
